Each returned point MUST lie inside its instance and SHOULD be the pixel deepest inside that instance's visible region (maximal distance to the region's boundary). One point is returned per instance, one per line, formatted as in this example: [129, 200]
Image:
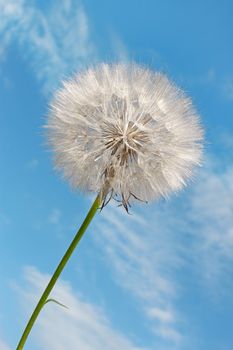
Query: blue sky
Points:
[161, 278]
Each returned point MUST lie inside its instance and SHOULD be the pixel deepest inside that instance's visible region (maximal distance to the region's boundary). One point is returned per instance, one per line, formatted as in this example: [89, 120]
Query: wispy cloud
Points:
[55, 43]
[211, 219]
[143, 255]
[32, 164]
[83, 326]
[208, 78]
[119, 48]
[3, 346]
[148, 249]
[55, 216]
[222, 83]
[227, 88]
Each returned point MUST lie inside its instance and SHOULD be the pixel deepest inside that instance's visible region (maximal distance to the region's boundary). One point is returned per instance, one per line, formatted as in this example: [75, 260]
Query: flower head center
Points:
[124, 142]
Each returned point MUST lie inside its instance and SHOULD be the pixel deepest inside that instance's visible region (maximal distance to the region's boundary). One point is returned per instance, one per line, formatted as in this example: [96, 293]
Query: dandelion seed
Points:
[124, 132]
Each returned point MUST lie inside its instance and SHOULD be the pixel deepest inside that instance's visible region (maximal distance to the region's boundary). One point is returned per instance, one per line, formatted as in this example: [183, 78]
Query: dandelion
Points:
[124, 132]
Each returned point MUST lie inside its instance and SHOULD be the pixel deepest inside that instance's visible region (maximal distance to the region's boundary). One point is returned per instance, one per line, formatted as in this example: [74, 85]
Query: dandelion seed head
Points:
[125, 132]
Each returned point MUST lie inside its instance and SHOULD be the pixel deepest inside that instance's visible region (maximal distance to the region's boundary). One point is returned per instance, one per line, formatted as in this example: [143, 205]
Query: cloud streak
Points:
[83, 326]
[147, 249]
[142, 256]
[211, 220]
[55, 44]
[3, 345]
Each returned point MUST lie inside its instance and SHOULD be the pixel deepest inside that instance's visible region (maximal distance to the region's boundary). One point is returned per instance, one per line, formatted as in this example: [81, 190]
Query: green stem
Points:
[58, 271]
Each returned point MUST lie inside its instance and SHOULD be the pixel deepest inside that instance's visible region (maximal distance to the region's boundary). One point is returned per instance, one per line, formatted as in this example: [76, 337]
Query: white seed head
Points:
[125, 132]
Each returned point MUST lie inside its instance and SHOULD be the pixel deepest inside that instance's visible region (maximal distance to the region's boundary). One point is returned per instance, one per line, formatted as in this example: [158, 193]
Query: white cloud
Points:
[211, 214]
[206, 78]
[119, 48]
[226, 140]
[55, 44]
[167, 332]
[83, 326]
[4, 219]
[165, 321]
[228, 88]
[147, 249]
[3, 346]
[55, 216]
[32, 164]
[164, 315]
[143, 255]
[221, 84]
